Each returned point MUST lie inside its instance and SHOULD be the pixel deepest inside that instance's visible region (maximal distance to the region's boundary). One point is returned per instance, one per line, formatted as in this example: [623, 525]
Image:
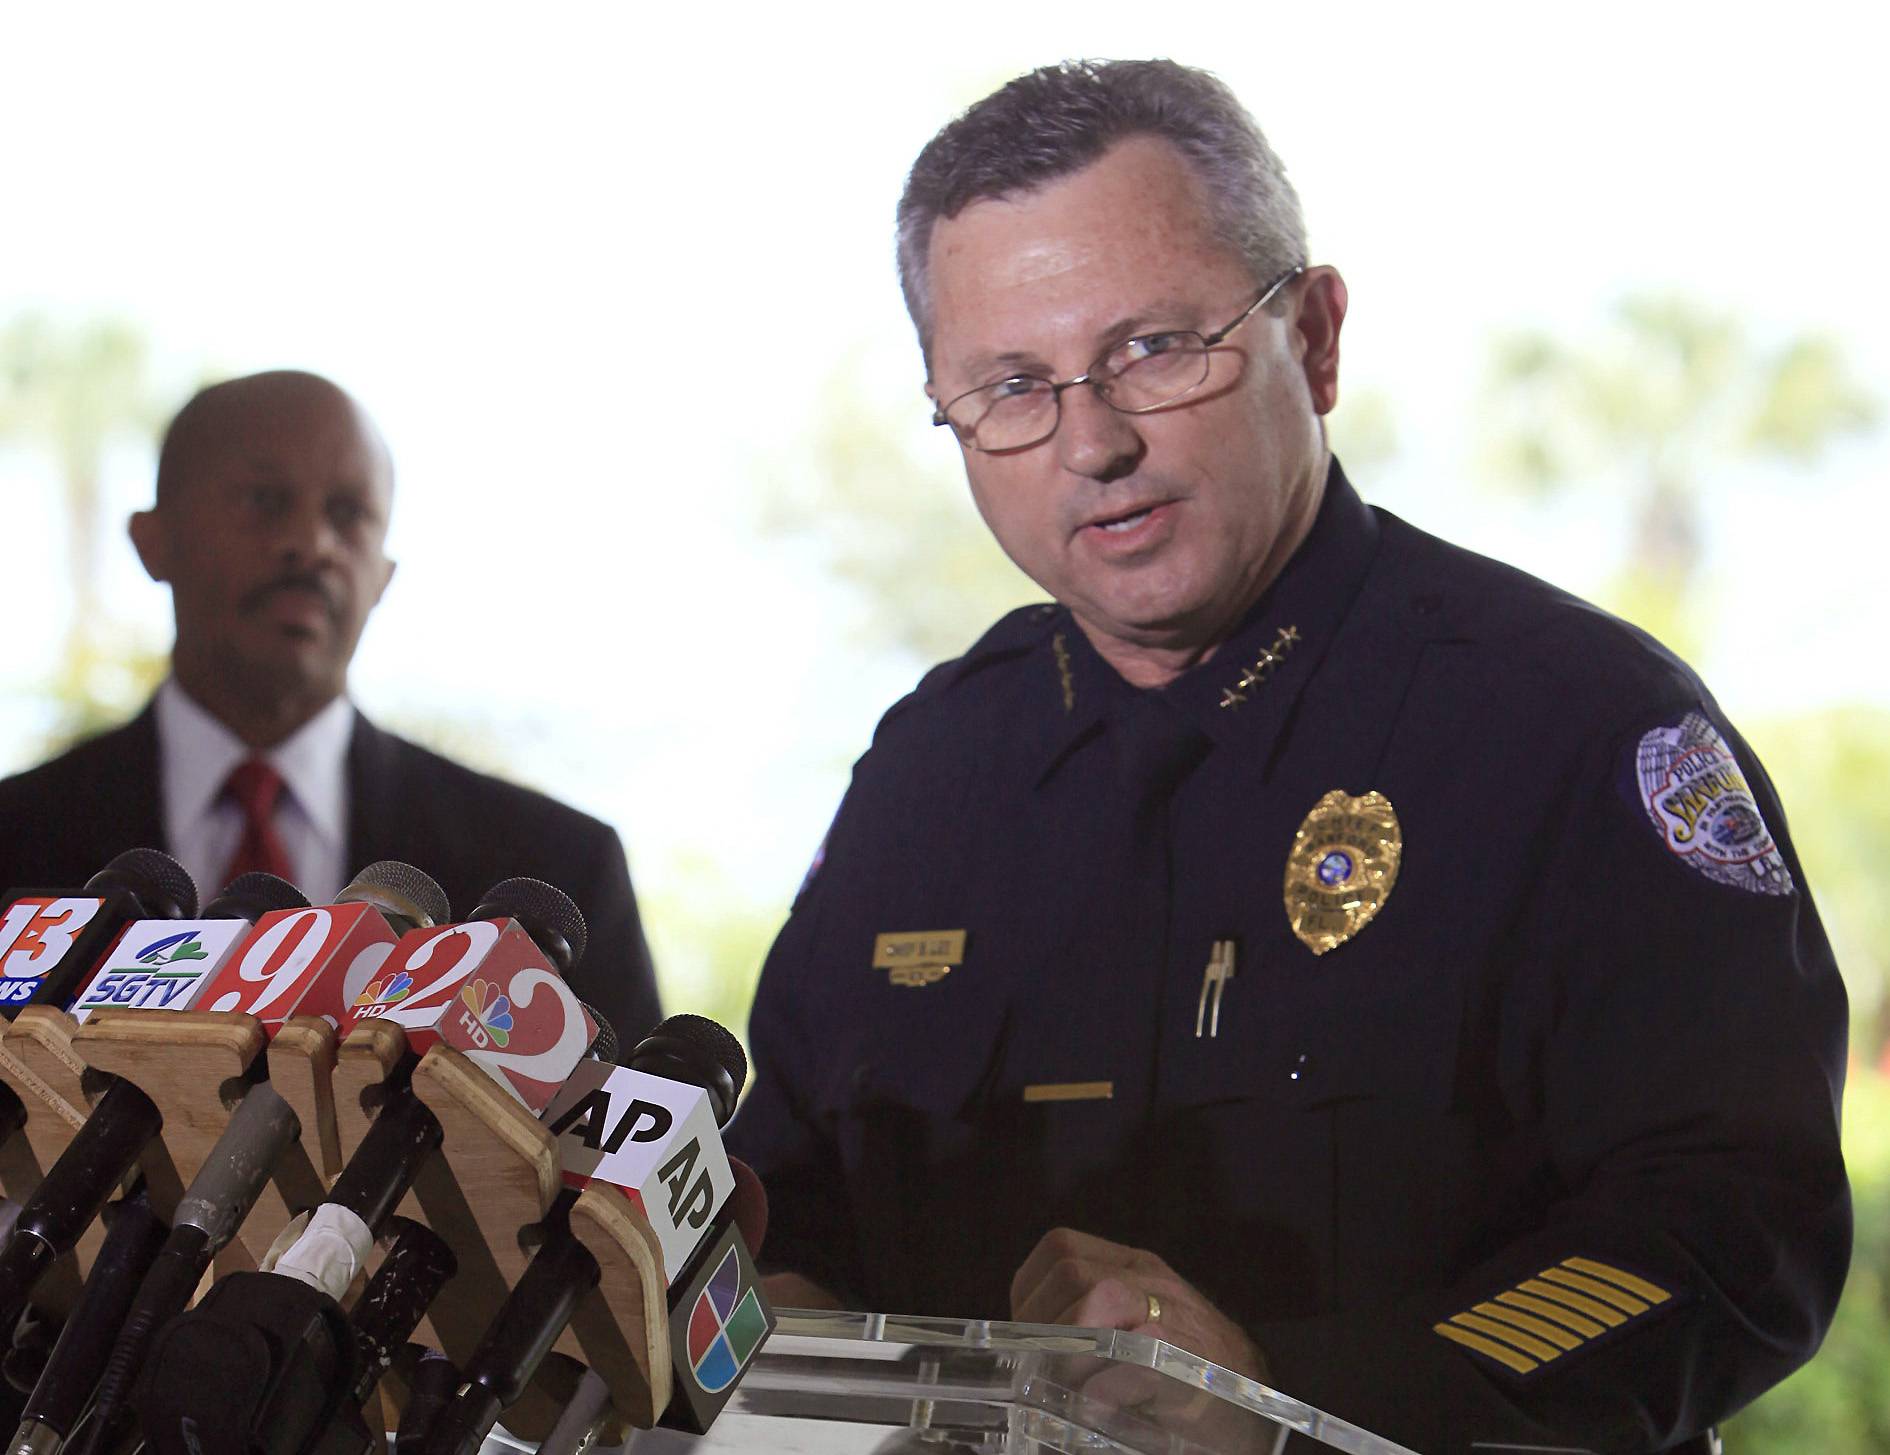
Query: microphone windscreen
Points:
[536, 904]
[707, 1036]
[748, 1205]
[160, 883]
[258, 890]
[412, 889]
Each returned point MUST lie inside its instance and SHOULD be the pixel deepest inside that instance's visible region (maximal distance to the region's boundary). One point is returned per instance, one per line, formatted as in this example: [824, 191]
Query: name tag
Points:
[919, 957]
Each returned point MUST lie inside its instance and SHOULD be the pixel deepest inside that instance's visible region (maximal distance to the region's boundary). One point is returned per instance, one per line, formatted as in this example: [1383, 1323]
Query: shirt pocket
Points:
[1378, 1068]
[907, 1072]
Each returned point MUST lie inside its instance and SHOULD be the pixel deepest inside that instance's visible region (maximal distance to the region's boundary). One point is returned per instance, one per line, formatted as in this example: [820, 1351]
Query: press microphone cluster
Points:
[286, 1359]
[323, 1365]
[103, 1151]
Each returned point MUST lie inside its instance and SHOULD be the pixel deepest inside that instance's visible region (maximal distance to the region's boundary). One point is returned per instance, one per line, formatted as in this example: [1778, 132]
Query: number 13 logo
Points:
[36, 933]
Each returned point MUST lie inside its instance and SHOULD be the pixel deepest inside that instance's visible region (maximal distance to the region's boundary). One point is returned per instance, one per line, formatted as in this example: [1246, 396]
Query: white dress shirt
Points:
[197, 754]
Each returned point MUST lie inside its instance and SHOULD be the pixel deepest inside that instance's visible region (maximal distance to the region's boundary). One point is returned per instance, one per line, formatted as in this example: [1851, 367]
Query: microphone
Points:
[282, 972]
[213, 1206]
[334, 1245]
[406, 1133]
[718, 1315]
[51, 938]
[493, 988]
[315, 960]
[683, 1080]
[515, 1343]
[166, 964]
[274, 1368]
[108, 1144]
[650, 1128]
[64, 1387]
[396, 1298]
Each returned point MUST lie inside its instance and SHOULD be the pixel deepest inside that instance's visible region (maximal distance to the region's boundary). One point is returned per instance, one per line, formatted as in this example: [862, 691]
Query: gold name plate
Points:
[919, 957]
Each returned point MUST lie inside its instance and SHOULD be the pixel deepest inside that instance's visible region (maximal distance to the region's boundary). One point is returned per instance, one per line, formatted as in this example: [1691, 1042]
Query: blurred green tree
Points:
[73, 393]
[1667, 389]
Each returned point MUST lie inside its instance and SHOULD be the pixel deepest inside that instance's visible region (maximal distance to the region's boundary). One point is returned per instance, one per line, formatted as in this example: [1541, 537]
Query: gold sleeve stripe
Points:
[1595, 1288]
[1524, 1342]
[1567, 1317]
[1541, 1328]
[1502, 1353]
[1614, 1275]
[1598, 1311]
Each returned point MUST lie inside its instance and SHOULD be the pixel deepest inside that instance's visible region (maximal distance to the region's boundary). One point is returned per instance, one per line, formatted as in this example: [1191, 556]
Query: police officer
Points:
[1348, 958]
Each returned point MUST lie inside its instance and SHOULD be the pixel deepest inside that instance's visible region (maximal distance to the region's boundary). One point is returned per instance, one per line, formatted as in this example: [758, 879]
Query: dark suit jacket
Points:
[62, 821]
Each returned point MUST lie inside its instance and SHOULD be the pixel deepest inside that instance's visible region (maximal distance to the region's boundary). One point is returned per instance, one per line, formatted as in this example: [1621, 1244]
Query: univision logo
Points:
[172, 948]
[726, 1326]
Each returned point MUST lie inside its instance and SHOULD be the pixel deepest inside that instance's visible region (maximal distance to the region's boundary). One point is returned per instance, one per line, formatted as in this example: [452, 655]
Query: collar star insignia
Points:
[1252, 677]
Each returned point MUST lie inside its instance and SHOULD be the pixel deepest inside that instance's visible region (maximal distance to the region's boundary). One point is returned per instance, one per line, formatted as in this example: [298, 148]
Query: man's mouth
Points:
[1125, 521]
[296, 598]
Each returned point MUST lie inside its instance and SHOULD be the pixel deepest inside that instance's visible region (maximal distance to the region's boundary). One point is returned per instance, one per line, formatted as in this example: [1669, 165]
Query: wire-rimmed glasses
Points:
[1137, 375]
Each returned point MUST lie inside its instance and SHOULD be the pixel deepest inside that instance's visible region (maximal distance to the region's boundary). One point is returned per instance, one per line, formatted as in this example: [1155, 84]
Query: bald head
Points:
[261, 404]
[273, 495]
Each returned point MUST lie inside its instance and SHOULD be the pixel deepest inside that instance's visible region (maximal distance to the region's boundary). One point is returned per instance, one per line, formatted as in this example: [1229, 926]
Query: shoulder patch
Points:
[1698, 800]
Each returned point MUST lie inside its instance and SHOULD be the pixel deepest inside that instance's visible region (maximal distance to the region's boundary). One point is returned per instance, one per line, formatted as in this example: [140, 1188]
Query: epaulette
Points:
[1012, 635]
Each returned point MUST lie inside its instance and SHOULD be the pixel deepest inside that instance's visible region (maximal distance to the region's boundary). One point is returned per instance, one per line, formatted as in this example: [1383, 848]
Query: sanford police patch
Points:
[1699, 800]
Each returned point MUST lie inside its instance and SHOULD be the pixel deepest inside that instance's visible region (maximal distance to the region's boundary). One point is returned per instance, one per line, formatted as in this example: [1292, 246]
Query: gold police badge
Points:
[1342, 867]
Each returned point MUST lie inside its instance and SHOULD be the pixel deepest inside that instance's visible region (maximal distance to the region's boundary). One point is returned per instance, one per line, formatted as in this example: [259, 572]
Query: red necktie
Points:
[255, 787]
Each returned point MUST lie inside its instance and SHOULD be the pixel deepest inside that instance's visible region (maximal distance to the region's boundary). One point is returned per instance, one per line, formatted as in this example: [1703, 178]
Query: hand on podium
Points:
[1088, 1282]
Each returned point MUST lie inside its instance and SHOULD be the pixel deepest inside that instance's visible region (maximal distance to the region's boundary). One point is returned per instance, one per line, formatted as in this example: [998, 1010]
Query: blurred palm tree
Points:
[1668, 390]
[74, 393]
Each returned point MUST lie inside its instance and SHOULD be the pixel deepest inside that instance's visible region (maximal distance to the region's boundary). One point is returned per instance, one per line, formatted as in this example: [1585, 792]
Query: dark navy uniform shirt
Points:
[1546, 1150]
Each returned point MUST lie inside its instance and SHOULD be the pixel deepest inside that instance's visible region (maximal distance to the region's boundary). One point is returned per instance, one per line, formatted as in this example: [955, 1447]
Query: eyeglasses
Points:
[1136, 376]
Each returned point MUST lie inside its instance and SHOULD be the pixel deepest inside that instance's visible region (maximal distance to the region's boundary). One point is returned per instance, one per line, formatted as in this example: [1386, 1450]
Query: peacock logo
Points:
[490, 1008]
[380, 994]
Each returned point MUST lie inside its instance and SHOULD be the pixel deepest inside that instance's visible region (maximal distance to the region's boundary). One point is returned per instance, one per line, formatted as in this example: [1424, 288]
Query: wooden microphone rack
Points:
[486, 1192]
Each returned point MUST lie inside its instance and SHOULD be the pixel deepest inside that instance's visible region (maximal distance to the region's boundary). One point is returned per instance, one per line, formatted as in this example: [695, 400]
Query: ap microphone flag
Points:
[653, 1138]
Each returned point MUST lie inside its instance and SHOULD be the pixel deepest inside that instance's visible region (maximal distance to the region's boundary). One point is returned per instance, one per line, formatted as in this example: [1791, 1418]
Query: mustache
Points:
[256, 599]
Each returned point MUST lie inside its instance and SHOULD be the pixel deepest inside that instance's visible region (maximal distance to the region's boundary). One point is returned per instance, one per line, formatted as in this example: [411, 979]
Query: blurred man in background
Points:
[273, 496]
[1334, 953]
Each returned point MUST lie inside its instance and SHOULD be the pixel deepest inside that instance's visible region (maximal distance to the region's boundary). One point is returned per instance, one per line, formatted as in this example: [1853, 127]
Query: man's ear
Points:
[152, 542]
[386, 577]
[1321, 313]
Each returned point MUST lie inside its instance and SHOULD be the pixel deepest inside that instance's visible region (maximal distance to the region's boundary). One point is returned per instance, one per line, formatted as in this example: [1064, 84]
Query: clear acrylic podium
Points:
[854, 1383]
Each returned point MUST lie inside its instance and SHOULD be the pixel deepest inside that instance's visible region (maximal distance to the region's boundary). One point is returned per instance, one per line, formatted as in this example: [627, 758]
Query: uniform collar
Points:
[1244, 692]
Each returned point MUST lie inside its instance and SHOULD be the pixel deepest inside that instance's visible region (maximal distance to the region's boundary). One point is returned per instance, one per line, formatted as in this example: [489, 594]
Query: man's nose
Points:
[1094, 440]
[306, 536]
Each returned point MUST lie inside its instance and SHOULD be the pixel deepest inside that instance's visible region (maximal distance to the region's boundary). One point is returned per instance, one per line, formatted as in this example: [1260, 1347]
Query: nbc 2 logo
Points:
[485, 1015]
[383, 995]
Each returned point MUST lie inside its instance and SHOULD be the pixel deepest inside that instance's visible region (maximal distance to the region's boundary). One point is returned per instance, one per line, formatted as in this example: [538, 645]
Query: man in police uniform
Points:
[1343, 956]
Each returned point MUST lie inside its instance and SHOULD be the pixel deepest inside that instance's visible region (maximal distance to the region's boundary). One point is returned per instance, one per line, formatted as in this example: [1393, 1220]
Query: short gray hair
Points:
[1059, 119]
